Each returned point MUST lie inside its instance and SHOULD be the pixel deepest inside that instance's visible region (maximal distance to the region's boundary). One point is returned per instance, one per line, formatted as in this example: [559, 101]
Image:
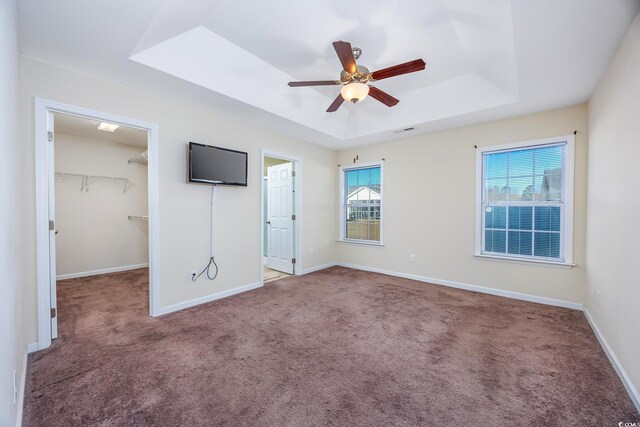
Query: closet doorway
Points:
[101, 216]
[96, 215]
[280, 201]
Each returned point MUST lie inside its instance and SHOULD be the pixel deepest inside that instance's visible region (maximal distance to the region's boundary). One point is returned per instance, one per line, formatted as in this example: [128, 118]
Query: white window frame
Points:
[343, 204]
[567, 224]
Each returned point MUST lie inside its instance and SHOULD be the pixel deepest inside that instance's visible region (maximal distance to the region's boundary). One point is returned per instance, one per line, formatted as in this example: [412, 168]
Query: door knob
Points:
[269, 222]
[56, 232]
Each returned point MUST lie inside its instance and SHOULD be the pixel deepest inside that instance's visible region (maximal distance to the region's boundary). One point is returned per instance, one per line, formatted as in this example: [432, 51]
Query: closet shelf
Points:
[142, 158]
[87, 178]
[139, 217]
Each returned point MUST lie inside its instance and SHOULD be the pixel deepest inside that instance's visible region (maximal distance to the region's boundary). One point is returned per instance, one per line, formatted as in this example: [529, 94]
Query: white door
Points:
[52, 226]
[280, 217]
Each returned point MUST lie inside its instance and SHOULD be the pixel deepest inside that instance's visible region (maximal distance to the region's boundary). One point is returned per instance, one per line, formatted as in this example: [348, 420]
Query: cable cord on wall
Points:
[212, 261]
[212, 258]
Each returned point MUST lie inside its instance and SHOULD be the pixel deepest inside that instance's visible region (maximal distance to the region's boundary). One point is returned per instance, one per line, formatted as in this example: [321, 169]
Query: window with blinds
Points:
[361, 218]
[523, 210]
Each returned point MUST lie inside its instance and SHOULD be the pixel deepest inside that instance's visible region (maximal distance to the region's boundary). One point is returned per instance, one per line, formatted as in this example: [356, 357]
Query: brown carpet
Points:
[335, 347]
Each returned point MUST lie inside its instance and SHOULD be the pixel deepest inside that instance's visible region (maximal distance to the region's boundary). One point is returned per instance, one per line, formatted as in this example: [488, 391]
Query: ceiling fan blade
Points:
[315, 83]
[382, 96]
[335, 104]
[396, 70]
[345, 54]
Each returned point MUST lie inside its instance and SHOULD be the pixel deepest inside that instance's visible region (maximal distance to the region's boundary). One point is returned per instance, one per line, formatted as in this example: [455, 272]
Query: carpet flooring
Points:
[335, 347]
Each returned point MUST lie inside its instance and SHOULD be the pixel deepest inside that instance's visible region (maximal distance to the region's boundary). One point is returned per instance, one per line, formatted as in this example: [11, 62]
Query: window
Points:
[361, 203]
[525, 201]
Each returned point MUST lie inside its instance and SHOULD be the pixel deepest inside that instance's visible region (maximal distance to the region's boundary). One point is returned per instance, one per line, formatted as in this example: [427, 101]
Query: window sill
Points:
[360, 242]
[525, 261]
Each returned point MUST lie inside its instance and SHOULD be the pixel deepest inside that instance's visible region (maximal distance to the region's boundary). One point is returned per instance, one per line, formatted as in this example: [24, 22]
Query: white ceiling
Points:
[88, 128]
[485, 60]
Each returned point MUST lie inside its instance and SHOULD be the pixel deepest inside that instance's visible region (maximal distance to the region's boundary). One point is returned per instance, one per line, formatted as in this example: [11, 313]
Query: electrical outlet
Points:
[412, 258]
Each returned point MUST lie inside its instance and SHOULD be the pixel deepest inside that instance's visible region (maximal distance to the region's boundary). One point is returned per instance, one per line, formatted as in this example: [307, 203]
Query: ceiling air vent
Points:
[403, 130]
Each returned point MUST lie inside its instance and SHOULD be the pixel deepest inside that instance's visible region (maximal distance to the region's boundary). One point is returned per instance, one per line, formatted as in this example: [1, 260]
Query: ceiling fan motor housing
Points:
[360, 75]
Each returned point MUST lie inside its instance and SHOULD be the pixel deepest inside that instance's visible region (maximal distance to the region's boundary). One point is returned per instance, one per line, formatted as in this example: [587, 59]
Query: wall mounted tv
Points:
[217, 166]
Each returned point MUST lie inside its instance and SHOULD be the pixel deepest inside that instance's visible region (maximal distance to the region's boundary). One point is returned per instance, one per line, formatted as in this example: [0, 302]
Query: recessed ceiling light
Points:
[108, 127]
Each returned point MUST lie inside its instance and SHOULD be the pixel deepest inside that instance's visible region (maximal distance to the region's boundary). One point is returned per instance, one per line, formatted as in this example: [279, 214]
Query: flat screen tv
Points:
[217, 166]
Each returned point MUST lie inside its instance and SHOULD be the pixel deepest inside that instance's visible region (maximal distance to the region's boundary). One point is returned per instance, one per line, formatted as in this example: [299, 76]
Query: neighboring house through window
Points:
[361, 203]
[525, 200]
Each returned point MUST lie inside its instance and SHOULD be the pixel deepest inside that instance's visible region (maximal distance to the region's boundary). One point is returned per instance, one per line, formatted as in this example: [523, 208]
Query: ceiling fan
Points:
[355, 78]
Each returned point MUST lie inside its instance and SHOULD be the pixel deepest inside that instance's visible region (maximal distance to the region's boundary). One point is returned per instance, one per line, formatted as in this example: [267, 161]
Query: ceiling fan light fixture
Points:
[354, 92]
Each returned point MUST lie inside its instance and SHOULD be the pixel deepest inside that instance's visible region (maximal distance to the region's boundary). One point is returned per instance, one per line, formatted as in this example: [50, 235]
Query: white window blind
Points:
[524, 201]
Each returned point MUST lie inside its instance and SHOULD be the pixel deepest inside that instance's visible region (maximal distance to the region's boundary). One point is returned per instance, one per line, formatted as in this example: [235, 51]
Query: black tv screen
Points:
[215, 165]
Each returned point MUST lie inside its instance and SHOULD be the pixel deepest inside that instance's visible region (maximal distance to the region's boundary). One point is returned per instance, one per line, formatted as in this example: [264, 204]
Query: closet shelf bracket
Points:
[142, 158]
[84, 185]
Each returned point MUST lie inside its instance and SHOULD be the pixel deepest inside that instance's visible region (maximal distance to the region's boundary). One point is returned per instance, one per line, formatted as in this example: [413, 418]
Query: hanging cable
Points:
[212, 261]
[212, 258]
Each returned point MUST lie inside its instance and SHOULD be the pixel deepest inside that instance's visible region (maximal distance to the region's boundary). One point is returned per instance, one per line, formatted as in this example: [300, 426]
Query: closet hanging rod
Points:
[86, 178]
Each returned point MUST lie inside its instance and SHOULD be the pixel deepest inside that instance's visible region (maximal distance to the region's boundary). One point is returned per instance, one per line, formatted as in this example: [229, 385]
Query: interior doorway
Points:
[100, 207]
[280, 201]
[98, 187]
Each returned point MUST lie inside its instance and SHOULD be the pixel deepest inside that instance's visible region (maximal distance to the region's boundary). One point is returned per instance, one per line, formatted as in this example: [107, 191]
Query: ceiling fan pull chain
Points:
[355, 130]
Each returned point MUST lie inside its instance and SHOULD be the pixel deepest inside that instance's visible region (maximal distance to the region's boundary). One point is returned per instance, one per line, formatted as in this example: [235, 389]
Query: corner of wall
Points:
[611, 294]
[12, 340]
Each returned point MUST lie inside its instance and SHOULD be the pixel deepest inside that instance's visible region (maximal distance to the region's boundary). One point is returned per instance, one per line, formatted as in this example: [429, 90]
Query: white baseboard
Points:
[626, 381]
[102, 271]
[208, 298]
[319, 267]
[21, 391]
[469, 287]
[32, 346]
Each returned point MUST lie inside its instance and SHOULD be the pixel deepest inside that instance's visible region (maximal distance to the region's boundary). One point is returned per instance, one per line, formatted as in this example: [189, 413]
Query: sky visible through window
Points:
[524, 175]
[368, 177]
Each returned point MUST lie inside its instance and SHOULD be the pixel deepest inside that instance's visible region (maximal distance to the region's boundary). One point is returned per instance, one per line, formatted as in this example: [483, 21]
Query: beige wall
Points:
[185, 208]
[12, 339]
[94, 232]
[429, 207]
[613, 247]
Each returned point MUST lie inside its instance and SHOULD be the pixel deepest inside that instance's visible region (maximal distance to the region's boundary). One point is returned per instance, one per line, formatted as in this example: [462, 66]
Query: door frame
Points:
[297, 188]
[42, 108]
